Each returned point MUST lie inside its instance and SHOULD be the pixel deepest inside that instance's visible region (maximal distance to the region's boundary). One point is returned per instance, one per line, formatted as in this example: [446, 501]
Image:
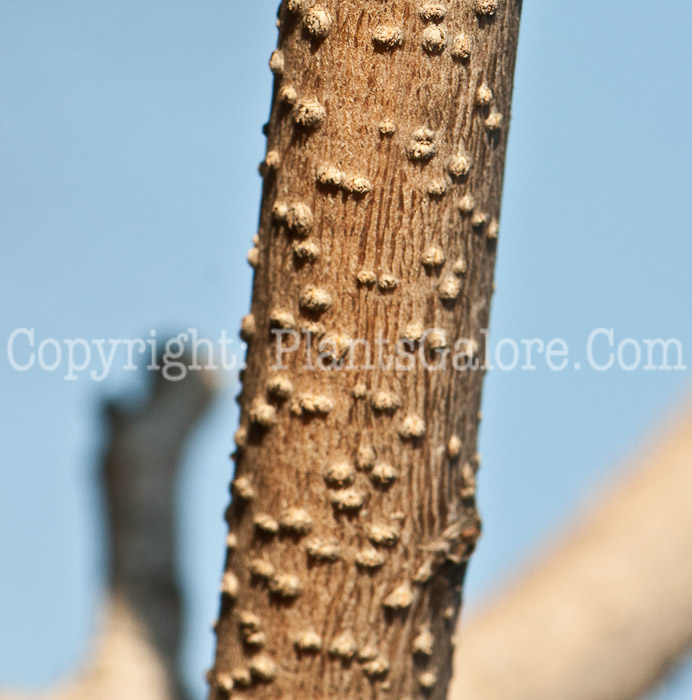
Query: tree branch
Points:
[607, 612]
[353, 514]
[135, 653]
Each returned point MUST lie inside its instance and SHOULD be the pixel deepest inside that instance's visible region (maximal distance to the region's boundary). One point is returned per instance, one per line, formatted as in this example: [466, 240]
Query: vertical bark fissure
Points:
[354, 514]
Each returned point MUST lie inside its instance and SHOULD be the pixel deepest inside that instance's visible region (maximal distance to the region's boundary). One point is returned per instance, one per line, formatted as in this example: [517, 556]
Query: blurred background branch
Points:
[607, 612]
[135, 653]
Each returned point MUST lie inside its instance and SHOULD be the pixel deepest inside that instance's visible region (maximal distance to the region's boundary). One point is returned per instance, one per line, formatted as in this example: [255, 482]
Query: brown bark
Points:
[354, 512]
[607, 612]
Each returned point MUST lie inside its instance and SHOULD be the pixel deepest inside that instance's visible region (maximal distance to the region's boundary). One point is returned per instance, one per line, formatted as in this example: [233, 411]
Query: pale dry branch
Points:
[607, 612]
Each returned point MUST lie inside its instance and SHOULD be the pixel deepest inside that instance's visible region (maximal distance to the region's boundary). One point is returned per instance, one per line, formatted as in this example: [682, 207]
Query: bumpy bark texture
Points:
[353, 514]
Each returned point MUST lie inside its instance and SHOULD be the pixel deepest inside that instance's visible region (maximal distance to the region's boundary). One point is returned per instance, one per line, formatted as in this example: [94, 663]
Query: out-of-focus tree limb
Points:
[134, 655]
[607, 612]
[140, 467]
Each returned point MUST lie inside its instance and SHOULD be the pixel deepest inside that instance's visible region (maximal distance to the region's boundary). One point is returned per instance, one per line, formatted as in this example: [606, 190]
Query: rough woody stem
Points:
[607, 612]
[353, 514]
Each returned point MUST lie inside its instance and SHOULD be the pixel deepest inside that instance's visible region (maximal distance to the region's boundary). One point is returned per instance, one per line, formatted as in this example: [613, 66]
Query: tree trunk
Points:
[353, 514]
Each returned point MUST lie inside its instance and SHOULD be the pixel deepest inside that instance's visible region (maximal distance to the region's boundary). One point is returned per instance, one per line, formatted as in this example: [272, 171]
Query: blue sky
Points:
[129, 192]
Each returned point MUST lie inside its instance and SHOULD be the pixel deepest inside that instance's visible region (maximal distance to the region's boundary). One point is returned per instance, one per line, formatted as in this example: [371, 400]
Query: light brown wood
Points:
[354, 512]
[607, 612]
